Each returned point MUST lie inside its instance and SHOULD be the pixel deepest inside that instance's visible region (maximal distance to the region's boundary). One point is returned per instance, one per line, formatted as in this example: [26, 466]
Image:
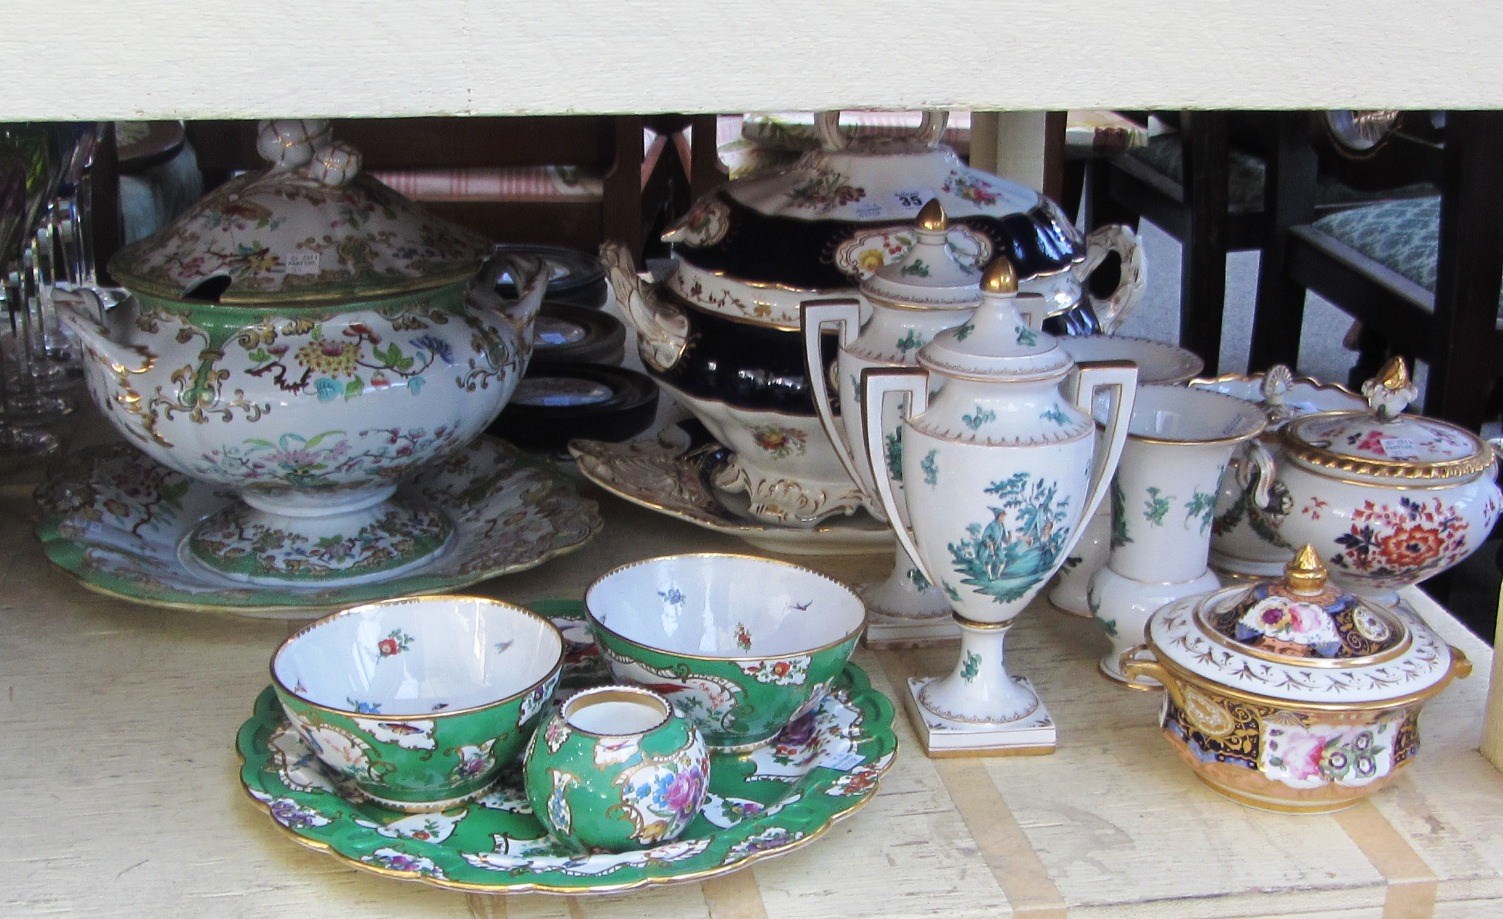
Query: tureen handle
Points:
[877, 383]
[1461, 665]
[827, 125]
[1121, 379]
[1138, 662]
[662, 329]
[845, 313]
[82, 309]
[1262, 461]
[1101, 242]
[529, 276]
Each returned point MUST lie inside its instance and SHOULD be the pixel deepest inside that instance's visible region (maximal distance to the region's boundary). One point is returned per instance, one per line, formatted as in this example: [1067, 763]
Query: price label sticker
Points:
[845, 762]
[913, 199]
[1400, 447]
[301, 262]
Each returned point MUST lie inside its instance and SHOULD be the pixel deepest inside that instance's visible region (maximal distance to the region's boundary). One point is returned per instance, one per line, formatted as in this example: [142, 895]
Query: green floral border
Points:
[579, 522]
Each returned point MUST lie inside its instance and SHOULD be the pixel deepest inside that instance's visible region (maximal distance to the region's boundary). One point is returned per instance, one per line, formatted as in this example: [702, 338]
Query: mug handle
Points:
[1121, 378]
[845, 314]
[877, 383]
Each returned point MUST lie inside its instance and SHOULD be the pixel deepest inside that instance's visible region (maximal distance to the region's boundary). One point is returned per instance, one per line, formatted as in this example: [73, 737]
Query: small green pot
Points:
[616, 768]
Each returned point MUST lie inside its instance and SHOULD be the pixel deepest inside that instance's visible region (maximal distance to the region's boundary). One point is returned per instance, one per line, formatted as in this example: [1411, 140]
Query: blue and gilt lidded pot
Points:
[1294, 694]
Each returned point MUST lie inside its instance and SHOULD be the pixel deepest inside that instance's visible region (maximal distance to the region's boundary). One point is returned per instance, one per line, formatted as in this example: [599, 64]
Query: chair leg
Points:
[1372, 350]
[1203, 283]
[1464, 343]
[1289, 200]
[1101, 207]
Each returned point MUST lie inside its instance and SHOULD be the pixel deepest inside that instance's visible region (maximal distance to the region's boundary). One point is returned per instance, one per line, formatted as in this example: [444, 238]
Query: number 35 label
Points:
[913, 199]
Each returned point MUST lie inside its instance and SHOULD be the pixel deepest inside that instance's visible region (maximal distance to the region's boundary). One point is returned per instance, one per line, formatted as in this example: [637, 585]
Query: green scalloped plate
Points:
[821, 769]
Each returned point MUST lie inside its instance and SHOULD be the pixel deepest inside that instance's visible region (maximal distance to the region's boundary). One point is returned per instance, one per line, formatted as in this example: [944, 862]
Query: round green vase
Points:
[616, 768]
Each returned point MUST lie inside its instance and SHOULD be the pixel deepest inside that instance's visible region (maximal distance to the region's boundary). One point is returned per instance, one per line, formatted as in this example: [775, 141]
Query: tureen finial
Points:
[1276, 385]
[1391, 391]
[1394, 375]
[1305, 573]
[1000, 277]
[932, 217]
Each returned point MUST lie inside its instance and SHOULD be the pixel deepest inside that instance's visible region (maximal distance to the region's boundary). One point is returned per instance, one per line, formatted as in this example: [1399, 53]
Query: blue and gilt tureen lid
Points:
[1305, 617]
[1302, 640]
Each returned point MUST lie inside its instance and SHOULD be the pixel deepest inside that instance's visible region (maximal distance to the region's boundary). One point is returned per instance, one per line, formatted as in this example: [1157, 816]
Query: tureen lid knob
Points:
[289, 143]
[1305, 573]
[1391, 391]
[932, 218]
[1000, 277]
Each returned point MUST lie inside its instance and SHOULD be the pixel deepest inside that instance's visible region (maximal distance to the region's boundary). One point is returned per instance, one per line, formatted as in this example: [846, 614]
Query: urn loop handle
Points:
[1101, 242]
[877, 383]
[1120, 378]
[1139, 662]
[931, 128]
[662, 329]
[845, 314]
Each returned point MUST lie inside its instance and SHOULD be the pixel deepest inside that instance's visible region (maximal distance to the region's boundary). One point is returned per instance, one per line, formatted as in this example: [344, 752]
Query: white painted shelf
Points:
[76, 59]
[123, 797]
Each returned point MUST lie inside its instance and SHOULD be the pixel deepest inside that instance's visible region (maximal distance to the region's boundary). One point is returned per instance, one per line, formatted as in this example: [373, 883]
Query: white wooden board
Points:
[85, 59]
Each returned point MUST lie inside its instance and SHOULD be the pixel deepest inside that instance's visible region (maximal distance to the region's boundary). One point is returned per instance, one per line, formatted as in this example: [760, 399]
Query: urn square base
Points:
[887, 632]
[942, 737]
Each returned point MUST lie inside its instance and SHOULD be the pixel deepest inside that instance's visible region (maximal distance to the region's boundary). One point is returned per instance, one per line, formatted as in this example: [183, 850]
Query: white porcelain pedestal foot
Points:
[904, 611]
[1033, 735]
[979, 709]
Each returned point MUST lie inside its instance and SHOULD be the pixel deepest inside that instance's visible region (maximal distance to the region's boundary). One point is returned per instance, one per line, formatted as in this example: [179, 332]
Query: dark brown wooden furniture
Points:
[1213, 186]
[609, 148]
[1452, 324]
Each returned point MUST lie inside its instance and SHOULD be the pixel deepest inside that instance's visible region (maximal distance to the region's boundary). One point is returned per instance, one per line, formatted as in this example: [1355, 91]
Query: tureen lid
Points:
[930, 275]
[308, 228]
[1381, 442]
[1282, 395]
[1002, 340]
[834, 215]
[1302, 639]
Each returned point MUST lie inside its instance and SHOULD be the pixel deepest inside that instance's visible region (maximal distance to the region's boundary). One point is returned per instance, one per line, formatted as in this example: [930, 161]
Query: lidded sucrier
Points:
[1386, 498]
[1293, 694]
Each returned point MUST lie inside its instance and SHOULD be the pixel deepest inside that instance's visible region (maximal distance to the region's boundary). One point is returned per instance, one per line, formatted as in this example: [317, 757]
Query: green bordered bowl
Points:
[787, 794]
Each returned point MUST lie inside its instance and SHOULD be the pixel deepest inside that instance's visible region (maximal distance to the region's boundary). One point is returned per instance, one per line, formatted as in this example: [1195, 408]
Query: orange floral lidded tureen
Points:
[1387, 498]
[1293, 695]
